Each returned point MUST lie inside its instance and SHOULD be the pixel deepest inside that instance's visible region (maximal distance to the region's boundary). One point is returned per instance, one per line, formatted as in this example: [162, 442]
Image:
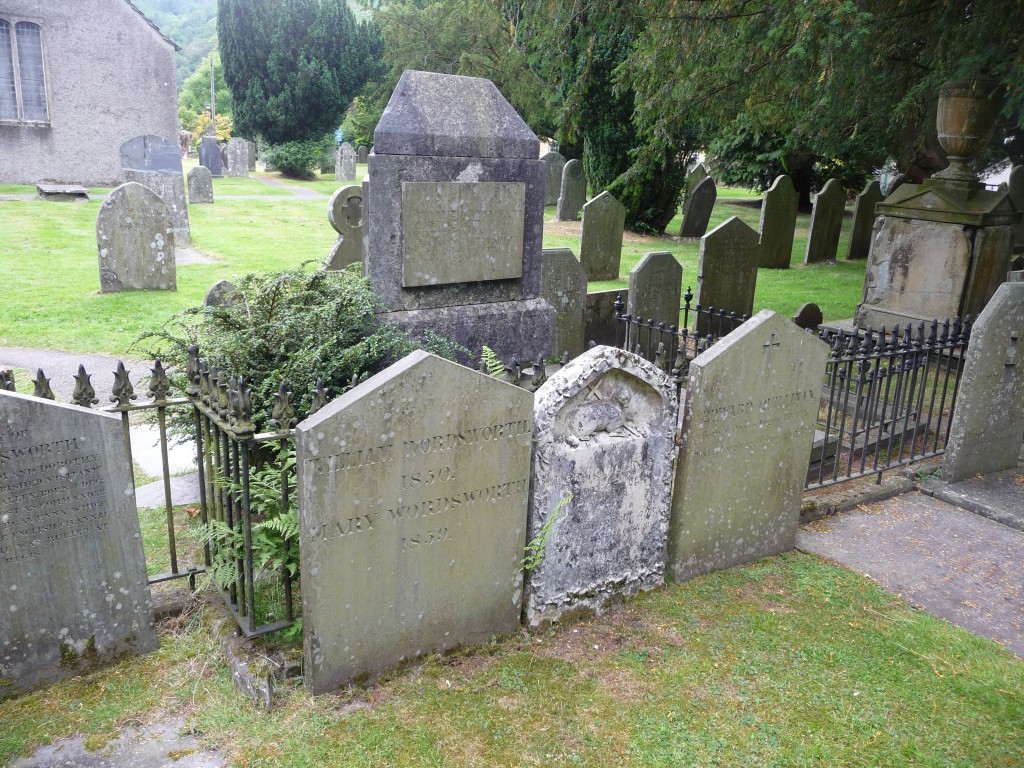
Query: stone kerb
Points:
[747, 426]
[563, 284]
[135, 239]
[727, 269]
[412, 493]
[200, 185]
[698, 207]
[826, 223]
[553, 163]
[655, 288]
[988, 419]
[864, 221]
[778, 224]
[604, 449]
[345, 212]
[76, 593]
[604, 220]
[572, 193]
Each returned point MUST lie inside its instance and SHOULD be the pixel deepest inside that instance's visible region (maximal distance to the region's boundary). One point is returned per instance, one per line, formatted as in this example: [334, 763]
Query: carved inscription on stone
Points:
[462, 232]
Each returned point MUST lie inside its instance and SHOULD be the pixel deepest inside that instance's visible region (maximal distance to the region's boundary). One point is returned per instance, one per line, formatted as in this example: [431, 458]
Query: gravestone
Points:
[864, 221]
[210, 157]
[156, 163]
[345, 212]
[727, 269]
[236, 155]
[1016, 190]
[345, 167]
[62, 193]
[563, 282]
[362, 154]
[572, 192]
[600, 326]
[135, 238]
[809, 317]
[604, 443]
[604, 219]
[895, 183]
[200, 185]
[655, 288]
[696, 175]
[698, 207]
[455, 215]
[72, 570]
[252, 156]
[778, 223]
[988, 421]
[412, 493]
[826, 223]
[554, 163]
[747, 425]
[220, 294]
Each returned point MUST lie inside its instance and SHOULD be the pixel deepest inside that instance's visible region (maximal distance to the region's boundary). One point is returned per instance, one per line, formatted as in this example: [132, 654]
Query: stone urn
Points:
[967, 113]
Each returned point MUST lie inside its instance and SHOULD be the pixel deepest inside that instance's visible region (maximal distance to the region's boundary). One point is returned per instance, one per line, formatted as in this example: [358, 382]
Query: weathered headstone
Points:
[412, 493]
[599, 318]
[826, 223]
[345, 168]
[988, 420]
[1016, 189]
[345, 212]
[220, 294]
[362, 154]
[73, 574]
[603, 449]
[236, 155]
[554, 163]
[135, 238]
[200, 185]
[572, 192]
[747, 425]
[864, 221]
[696, 175]
[156, 163]
[809, 317]
[698, 207]
[563, 282]
[655, 288]
[209, 156]
[727, 269]
[252, 155]
[778, 223]
[896, 182]
[604, 219]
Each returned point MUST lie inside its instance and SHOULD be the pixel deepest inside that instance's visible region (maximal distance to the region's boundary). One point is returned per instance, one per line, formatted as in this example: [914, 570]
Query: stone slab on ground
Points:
[998, 496]
[959, 566]
[184, 490]
[181, 457]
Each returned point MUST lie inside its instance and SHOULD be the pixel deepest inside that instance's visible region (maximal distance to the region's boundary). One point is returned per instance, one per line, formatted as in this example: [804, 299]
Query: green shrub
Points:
[296, 159]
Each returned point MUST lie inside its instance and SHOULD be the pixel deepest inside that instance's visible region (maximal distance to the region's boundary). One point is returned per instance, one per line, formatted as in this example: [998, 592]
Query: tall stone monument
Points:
[455, 208]
[156, 163]
[345, 212]
[604, 220]
[135, 239]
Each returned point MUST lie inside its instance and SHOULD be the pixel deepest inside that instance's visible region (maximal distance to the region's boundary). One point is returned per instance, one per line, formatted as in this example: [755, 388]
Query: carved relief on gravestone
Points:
[135, 239]
[988, 420]
[155, 162]
[778, 224]
[236, 156]
[727, 269]
[563, 282]
[603, 450]
[412, 493]
[747, 425]
[200, 185]
[864, 221]
[604, 219]
[72, 570]
[572, 193]
[826, 223]
[345, 212]
[553, 163]
[655, 288]
[698, 207]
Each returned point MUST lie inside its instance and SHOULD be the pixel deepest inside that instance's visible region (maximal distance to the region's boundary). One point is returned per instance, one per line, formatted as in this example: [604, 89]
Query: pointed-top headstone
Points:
[655, 287]
[563, 282]
[778, 222]
[864, 221]
[699, 205]
[826, 223]
[727, 268]
[604, 219]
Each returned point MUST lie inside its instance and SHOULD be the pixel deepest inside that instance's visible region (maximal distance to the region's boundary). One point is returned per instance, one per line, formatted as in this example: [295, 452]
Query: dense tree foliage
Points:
[192, 24]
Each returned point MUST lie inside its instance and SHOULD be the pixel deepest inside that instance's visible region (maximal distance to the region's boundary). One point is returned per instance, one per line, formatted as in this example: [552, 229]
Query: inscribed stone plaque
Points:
[604, 219]
[572, 193]
[200, 185]
[826, 223]
[135, 238]
[554, 163]
[412, 493]
[72, 571]
[864, 221]
[727, 269]
[461, 232]
[988, 421]
[563, 282]
[345, 212]
[655, 288]
[604, 434]
[697, 211]
[778, 223]
[747, 425]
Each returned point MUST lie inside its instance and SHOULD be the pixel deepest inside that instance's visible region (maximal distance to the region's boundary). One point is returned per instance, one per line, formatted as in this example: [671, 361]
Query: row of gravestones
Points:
[425, 493]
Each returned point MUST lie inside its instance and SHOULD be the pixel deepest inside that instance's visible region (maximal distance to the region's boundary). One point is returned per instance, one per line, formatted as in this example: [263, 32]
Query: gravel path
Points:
[61, 368]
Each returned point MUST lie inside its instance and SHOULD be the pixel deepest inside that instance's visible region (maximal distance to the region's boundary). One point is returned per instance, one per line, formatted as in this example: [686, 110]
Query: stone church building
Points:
[78, 78]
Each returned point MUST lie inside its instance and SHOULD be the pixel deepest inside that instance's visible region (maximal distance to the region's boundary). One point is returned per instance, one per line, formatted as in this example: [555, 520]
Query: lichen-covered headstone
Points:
[604, 219]
[554, 163]
[747, 426]
[345, 212]
[412, 494]
[572, 192]
[778, 224]
[826, 223]
[200, 185]
[655, 288]
[155, 162]
[220, 294]
[75, 593]
[697, 209]
[603, 450]
[135, 238]
[236, 155]
[210, 157]
[563, 282]
[988, 418]
[345, 163]
[864, 221]
[727, 269]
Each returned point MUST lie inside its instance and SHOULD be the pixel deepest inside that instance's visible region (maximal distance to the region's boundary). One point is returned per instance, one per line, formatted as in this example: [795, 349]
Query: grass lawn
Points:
[787, 662]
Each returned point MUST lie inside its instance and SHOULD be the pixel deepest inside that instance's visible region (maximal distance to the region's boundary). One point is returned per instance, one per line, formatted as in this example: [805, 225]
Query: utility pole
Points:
[213, 101]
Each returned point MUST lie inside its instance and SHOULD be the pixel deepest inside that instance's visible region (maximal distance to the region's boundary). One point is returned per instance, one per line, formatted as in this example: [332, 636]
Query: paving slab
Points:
[184, 490]
[957, 565]
[998, 496]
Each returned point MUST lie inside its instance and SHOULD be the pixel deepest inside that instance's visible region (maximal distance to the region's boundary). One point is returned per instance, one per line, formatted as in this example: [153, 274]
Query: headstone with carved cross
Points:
[988, 418]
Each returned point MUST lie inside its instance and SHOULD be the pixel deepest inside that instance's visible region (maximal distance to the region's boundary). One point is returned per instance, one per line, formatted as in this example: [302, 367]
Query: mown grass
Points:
[789, 662]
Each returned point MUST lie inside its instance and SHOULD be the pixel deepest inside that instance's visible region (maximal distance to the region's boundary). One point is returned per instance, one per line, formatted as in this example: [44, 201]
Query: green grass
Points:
[17, 189]
[787, 662]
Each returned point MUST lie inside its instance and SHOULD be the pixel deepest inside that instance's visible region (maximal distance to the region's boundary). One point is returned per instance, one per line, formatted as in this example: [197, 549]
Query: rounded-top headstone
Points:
[200, 185]
[220, 294]
[345, 208]
[135, 238]
[150, 153]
